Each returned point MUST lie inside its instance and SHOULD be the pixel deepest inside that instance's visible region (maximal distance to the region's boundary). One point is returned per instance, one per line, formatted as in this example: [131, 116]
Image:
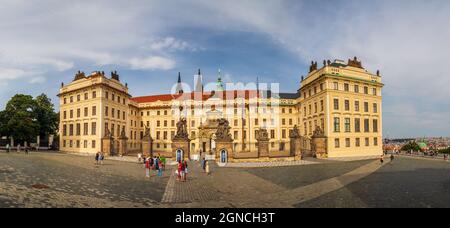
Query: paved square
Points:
[61, 180]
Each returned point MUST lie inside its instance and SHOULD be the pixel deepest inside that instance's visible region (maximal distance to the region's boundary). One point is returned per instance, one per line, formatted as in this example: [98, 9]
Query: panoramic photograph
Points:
[224, 104]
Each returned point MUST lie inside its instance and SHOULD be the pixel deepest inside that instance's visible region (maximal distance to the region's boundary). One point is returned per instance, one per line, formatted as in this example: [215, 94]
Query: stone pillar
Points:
[147, 146]
[123, 147]
[295, 144]
[107, 145]
[263, 143]
[319, 144]
[184, 145]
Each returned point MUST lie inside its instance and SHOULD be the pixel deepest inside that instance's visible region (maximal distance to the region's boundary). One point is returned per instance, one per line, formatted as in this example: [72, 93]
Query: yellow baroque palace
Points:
[341, 102]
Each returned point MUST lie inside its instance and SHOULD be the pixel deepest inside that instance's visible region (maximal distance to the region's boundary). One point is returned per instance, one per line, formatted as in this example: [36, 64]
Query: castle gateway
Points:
[335, 113]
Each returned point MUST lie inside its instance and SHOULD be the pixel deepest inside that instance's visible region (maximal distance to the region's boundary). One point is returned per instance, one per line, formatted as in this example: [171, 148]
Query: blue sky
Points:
[149, 42]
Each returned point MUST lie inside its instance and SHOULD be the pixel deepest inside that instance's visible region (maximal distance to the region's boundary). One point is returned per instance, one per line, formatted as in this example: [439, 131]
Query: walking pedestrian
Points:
[26, 150]
[158, 166]
[163, 162]
[7, 148]
[147, 168]
[204, 165]
[185, 170]
[97, 156]
[144, 161]
[18, 148]
[179, 171]
[101, 158]
[392, 158]
[382, 159]
[139, 157]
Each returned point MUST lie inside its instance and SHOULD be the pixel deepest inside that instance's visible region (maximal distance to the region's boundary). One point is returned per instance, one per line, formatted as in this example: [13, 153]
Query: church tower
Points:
[219, 82]
[198, 80]
[179, 89]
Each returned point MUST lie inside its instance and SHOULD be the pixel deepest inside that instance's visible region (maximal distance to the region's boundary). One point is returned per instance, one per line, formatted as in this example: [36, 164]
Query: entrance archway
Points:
[180, 154]
[223, 156]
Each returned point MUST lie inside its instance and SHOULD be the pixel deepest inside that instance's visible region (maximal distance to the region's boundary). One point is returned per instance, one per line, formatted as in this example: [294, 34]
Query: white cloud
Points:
[11, 74]
[169, 44]
[152, 63]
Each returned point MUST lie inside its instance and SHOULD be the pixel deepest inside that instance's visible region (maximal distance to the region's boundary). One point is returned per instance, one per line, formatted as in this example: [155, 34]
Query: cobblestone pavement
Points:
[406, 182]
[60, 180]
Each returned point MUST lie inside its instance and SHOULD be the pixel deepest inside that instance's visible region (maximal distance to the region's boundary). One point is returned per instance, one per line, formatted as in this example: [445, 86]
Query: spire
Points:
[198, 82]
[179, 89]
[219, 82]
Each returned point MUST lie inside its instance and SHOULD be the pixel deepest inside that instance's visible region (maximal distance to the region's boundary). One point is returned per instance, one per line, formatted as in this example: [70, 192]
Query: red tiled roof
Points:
[229, 95]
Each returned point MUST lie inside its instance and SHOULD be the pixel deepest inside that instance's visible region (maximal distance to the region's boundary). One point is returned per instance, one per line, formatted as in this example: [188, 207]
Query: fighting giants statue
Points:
[182, 132]
[294, 133]
[223, 131]
[263, 135]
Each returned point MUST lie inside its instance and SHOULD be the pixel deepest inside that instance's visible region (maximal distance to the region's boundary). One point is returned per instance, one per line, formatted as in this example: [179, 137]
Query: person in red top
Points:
[180, 166]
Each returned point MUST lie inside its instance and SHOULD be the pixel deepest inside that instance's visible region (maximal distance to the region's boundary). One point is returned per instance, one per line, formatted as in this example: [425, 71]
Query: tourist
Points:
[179, 171]
[144, 160]
[183, 171]
[203, 164]
[185, 165]
[101, 157]
[147, 168]
[392, 157]
[381, 159]
[97, 157]
[7, 148]
[207, 168]
[158, 166]
[152, 162]
[26, 150]
[139, 157]
[18, 148]
[163, 162]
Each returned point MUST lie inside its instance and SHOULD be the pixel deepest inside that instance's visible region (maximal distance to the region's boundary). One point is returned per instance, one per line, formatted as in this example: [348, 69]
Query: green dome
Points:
[422, 145]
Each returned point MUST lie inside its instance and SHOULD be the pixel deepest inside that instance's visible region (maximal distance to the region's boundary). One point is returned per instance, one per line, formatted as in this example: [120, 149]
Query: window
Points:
[165, 135]
[374, 91]
[71, 129]
[366, 106]
[357, 125]
[356, 89]
[93, 144]
[86, 96]
[106, 111]
[375, 126]
[347, 124]
[290, 121]
[321, 106]
[346, 87]
[93, 128]
[366, 125]
[347, 105]
[64, 115]
[375, 108]
[158, 113]
[357, 142]
[86, 112]
[235, 134]
[337, 124]
[78, 113]
[367, 142]
[85, 129]
[78, 130]
[94, 94]
[336, 85]
[64, 130]
[336, 143]
[256, 121]
[158, 123]
[375, 141]
[65, 100]
[78, 97]
[356, 106]
[272, 134]
[71, 99]
[283, 121]
[366, 90]
[347, 142]
[113, 111]
[157, 134]
[94, 110]
[71, 114]
[85, 143]
[336, 104]
[315, 107]
[283, 133]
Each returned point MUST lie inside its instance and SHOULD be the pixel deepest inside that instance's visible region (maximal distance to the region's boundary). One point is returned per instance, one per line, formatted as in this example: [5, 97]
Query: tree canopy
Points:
[24, 118]
[411, 146]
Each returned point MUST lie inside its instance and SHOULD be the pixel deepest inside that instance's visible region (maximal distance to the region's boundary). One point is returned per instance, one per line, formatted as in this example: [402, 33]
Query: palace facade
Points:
[339, 103]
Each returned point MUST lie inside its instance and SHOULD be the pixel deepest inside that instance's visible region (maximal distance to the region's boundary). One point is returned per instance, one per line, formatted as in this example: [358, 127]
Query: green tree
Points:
[411, 146]
[46, 117]
[19, 118]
